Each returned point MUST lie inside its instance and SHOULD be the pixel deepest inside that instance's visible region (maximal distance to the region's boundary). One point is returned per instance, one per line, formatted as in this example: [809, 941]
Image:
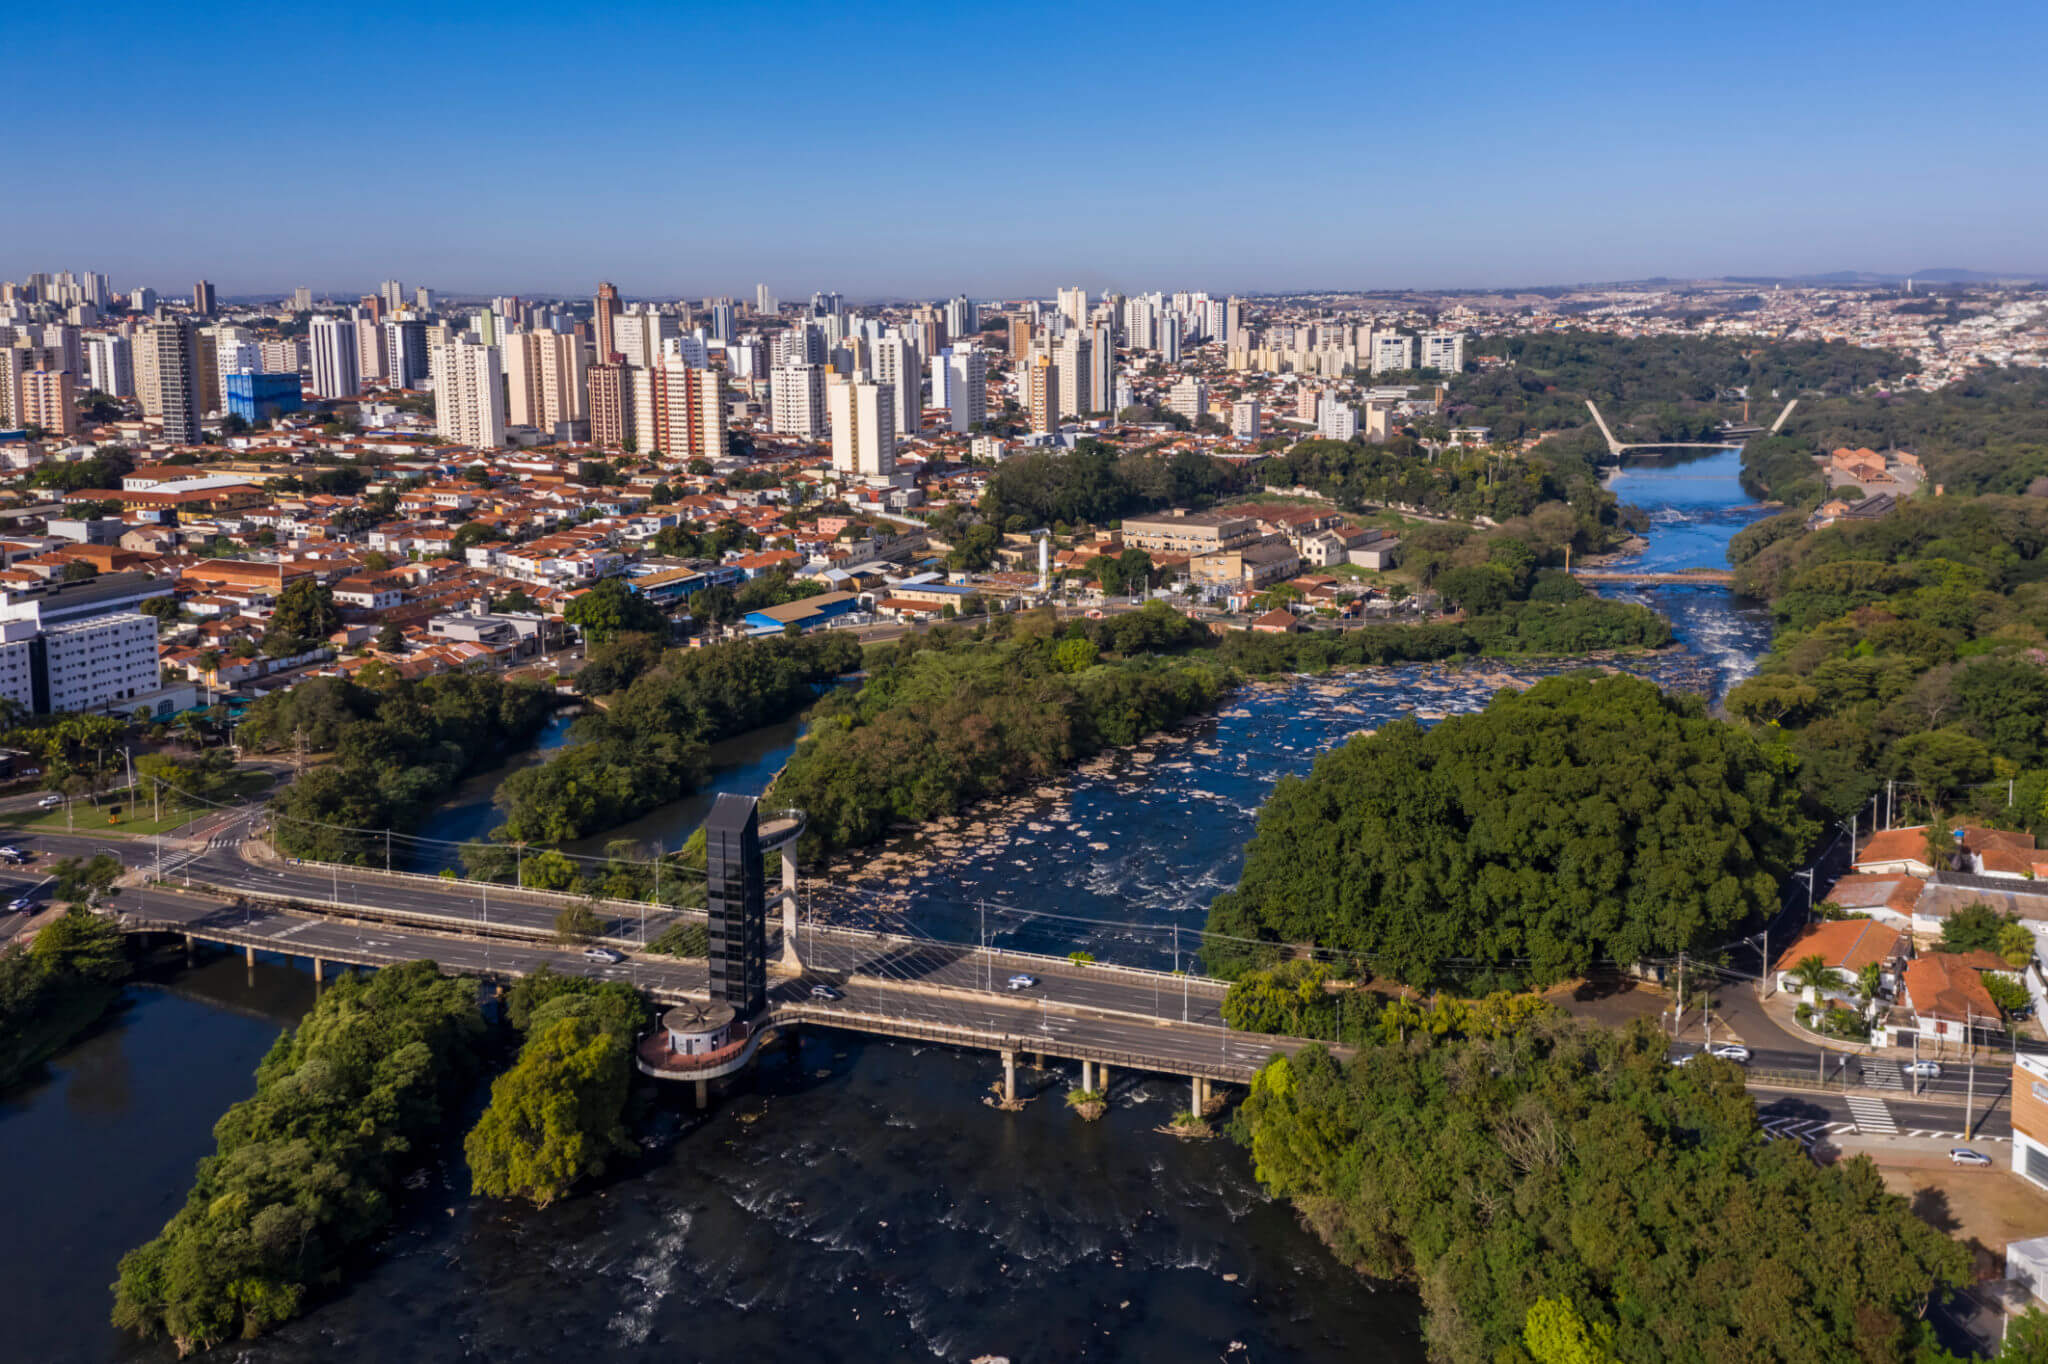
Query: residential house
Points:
[1847, 946]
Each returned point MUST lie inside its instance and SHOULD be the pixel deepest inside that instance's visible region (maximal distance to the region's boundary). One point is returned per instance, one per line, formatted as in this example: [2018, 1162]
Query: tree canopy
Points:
[1588, 818]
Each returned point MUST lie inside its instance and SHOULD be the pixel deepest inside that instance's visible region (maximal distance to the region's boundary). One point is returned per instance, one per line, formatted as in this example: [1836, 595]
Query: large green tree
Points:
[1589, 818]
[305, 614]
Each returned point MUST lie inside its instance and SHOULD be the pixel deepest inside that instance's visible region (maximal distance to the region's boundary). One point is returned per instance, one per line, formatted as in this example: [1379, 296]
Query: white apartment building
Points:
[546, 380]
[1244, 419]
[1074, 355]
[335, 357]
[1444, 351]
[797, 401]
[1190, 398]
[90, 664]
[110, 365]
[1073, 306]
[469, 393]
[897, 363]
[1336, 420]
[1392, 352]
[863, 417]
[960, 385]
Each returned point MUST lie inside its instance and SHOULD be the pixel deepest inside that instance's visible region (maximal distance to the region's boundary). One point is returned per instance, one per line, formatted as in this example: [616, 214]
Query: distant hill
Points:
[1946, 275]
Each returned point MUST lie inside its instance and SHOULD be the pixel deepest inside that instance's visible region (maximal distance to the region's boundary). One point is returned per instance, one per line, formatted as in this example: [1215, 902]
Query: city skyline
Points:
[1491, 148]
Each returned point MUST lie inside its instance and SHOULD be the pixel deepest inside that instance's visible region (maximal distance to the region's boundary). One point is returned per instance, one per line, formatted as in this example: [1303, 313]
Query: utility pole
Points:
[1678, 1012]
[1969, 1068]
[387, 851]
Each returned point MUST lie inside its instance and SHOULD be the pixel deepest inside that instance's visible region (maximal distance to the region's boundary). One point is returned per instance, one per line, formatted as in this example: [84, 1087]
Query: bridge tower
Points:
[736, 905]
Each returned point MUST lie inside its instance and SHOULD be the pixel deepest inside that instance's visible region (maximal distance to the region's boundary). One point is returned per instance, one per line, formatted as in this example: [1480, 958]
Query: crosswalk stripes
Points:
[1881, 1074]
[1872, 1115]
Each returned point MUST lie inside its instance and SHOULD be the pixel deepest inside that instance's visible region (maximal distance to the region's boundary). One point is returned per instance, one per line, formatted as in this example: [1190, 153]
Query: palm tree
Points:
[1867, 981]
[1814, 975]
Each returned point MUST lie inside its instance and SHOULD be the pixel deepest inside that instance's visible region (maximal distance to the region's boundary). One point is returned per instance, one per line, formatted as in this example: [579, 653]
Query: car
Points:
[23, 904]
[49, 802]
[1963, 1155]
[1730, 1051]
[1925, 1070]
[603, 954]
[1020, 981]
[14, 855]
[825, 992]
[1686, 1059]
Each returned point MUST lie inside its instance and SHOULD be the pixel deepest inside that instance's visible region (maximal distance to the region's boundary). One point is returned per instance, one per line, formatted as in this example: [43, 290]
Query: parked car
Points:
[1925, 1070]
[825, 992]
[1963, 1155]
[1020, 981]
[1730, 1051]
[13, 855]
[603, 954]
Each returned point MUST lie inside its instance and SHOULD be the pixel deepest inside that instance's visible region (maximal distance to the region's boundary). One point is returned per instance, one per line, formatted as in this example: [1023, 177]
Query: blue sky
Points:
[886, 149]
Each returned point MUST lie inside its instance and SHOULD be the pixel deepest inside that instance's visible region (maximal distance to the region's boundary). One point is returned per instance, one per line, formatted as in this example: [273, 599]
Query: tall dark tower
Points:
[737, 906]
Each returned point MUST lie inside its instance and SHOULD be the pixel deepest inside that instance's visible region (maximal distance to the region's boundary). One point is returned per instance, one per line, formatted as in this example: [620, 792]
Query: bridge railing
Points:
[1043, 961]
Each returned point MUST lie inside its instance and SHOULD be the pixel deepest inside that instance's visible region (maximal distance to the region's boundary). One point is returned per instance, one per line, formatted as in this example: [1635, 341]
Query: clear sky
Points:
[885, 149]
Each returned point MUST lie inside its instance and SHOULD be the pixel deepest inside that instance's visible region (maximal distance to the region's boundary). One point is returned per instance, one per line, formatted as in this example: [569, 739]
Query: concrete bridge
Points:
[1617, 448]
[1110, 1018]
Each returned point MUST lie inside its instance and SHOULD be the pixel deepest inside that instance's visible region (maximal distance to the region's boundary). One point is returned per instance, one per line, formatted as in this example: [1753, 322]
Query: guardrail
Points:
[557, 898]
[442, 925]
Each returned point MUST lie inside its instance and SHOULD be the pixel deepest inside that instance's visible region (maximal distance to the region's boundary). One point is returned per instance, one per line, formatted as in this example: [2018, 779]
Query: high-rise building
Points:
[110, 365]
[826, 304]
[1073, 306]
[336, 371]
[469, 393]
[369, 348]
[689, 412]
[1244, 419]
[85, 664]
[392, 295]
[764, 302]
[1336, 420]
[960, 385]
[961, 321]
[48, 400]
[168, 349]
[1444, 351]
[1020, 339]
[611, 405]
[285, 355]
[1392, 353]
[863, 416]
[1190, 398]
[405, 352]
[546, 386]
[423, 299]
[1141, 324]
[202, 298]
[1169, 338]
[1042, 392]
[722, 320]
[797, 401]
[602, 319]
[1213, 325]
[641, 334]
[1074, 355]
[897, 363]
[302, 300]
[1102, 368]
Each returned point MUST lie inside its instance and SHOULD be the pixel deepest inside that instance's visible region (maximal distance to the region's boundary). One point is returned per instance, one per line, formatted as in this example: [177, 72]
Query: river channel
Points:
[859, 1202]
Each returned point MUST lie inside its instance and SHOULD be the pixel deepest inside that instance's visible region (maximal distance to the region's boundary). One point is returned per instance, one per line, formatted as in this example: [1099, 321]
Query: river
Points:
[857, 1203]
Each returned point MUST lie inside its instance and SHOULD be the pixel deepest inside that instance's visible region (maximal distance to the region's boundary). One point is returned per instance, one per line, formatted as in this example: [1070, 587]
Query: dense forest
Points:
[648, 745]
[397, 748]
[957, 714]
[1987, 433]
[1910, 649]
[1651, 387]
[1586, 819]
[54, 987]
[1095, 484]
[307, 1170]
[1558, 1191]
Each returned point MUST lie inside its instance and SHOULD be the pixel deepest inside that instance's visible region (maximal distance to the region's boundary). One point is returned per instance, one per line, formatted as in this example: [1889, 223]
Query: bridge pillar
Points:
[1088, 1075]
[249, 955]
[790, 958]
[1009, 1077]
[1038, 1060]
[1195, 1096]
[319, 970]
[703, 1094]
[1102, 1079]
[189, 944]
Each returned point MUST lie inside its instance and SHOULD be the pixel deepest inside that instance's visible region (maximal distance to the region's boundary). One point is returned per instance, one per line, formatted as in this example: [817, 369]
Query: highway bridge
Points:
[1701, 577]
[237, 892]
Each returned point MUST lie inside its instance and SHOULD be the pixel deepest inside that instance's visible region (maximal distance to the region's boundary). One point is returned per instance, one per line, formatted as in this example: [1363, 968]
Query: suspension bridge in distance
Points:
[742, 993]
[1735, 436]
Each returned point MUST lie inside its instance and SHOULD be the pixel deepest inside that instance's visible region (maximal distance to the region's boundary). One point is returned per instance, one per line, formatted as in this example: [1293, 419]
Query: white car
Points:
[1020, 981]
[49, 802]
[1925, 1070]
[1730, 1051]
[1963, 1155]
[825, 992]
[24, 905]
[603, 954]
